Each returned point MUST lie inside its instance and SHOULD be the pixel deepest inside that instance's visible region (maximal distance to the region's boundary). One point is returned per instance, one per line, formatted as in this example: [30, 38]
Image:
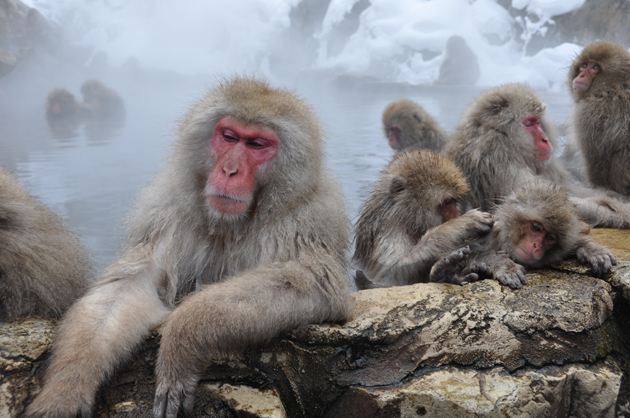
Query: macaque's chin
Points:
[579, 87]
[227, 205]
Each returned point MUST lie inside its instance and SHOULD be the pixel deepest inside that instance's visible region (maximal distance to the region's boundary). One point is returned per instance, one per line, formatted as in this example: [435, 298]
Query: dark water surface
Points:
[91, 174]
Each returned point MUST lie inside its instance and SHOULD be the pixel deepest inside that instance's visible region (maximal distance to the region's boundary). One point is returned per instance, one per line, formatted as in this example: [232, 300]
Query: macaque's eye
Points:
[596, 67]
[537, 227]
[584, 65]
[258, 143]
[551, 238]
[228, 136]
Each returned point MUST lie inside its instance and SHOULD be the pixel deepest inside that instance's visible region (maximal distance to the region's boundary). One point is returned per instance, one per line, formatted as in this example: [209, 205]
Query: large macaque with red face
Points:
[599, 80]
[534, 227]
[408, 126]
[411, 219]
[504, 140]
[244, 224]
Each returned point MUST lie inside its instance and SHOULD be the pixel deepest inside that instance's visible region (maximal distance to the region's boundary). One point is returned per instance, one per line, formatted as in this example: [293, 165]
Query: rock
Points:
[556, 347]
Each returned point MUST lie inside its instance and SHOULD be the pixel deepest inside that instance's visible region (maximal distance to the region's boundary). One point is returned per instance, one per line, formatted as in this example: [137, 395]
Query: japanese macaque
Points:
[504, 139]
[100, 101]
[599, 81]
[460, 66]
[411, 219]
[244, 224]
[44, 267]
[535, 227]
[408, 126]
[60, 103]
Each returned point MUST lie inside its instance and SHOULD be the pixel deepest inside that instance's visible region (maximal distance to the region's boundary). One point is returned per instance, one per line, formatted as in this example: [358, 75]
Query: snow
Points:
[400, 40]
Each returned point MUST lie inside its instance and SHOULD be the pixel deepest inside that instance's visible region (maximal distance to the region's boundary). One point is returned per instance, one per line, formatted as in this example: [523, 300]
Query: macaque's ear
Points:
[584, 228]
[398, 185]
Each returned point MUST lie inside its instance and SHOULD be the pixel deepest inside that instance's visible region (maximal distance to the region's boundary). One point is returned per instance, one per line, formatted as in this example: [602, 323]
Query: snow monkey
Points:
[411, 219]
[536, 226]
[505, 138]
[100, 101]
[599, 81]
[60, 103]
[408, 126]
[460, 65]
[43, 266]
[244, 224]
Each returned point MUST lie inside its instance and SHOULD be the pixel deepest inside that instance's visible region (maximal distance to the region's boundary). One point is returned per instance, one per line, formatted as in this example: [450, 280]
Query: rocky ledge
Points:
[555, 348]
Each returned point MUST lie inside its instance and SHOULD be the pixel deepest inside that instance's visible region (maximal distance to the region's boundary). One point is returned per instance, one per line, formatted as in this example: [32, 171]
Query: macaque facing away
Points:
[100, 101]
[505, 139]
[460, 66]
[408, 126]
[536, 226]
[244, 223]
[599, 81]
[60, 103]
[44, 267]
[411, 219]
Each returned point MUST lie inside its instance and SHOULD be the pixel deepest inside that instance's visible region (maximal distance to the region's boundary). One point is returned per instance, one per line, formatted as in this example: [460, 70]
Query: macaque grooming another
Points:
[244, 223]
[411, 219]
[100, 101]
[536, 226]
[505, 139]
[599, 81]
[43, 266]
[60, 103]
[408, 126]
[460, 65]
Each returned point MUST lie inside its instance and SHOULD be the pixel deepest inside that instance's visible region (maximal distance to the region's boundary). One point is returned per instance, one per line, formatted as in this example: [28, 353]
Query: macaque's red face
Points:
[534, 242]
[57, 107]
[239, 151]
[449, 210]
[588, 70]
[541, 140]
[393, 133]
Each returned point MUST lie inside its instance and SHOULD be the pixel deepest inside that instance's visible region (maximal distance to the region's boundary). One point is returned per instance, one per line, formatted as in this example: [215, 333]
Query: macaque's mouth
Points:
[229, 198]
[524, 254]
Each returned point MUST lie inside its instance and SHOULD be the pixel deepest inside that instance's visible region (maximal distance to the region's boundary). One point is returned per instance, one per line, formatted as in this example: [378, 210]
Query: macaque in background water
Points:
[536, 226]
[100, 101]
[411, 219]
[408, 126]
[505, 139]
[460, 66]
[60, 103]
[599, 81]
[44, 267]
[246, 212]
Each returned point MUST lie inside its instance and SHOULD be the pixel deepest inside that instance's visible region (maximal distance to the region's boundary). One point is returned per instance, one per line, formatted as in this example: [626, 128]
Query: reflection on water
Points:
[90, 172]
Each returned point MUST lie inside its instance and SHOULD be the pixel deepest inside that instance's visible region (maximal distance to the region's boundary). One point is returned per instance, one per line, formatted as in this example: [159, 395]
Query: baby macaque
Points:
[534, 227]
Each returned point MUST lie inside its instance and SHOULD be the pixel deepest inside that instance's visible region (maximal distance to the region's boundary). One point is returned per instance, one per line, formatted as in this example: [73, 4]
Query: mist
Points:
[348, 58]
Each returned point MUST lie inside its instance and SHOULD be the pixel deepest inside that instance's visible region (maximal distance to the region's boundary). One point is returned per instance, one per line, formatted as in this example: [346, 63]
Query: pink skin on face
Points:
[536, 241]
[588, 71]
[449, 210]
[392, 136]
[239, 150]
[541, 140]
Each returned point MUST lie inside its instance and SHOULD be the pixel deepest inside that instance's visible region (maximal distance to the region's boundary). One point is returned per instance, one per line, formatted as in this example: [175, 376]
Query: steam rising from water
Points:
[399, 40]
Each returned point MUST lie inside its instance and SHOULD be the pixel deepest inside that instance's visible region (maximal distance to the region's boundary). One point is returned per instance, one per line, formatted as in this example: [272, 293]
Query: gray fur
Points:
[44, 267]
[279, 266]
